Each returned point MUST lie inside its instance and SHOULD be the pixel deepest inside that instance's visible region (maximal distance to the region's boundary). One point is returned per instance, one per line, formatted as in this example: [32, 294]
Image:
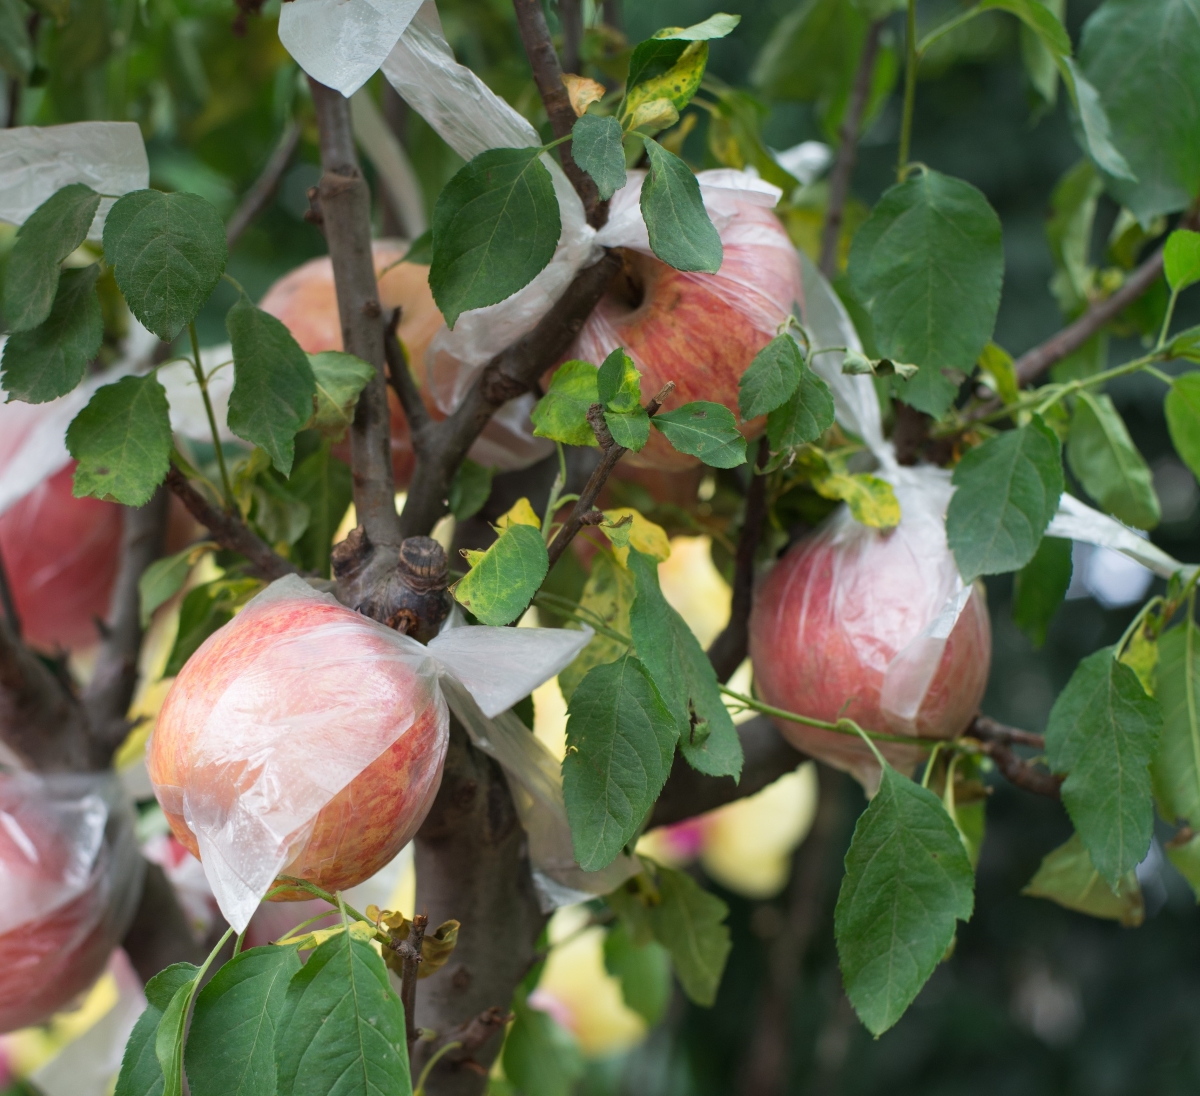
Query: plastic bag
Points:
[283, 742]
[71, 877]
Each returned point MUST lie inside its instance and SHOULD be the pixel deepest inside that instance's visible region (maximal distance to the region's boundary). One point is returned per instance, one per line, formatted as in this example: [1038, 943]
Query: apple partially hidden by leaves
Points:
[300, 703]
[839, 629]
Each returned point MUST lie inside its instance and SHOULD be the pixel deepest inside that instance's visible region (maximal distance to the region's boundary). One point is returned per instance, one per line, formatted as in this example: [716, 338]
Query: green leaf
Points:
[596, 147]
[1182, 407]
[683, 675]
[122, 441]
[1068, 876]
[50, 360]
[470, 490]
[168, 253]
[927, 266]
[341, 1029]
[644, 972]
[608, 594]
[53, 230]
[141, 1074]
[540, 1057]
[656, 55]
[619, 383]
[273, 383]
[325, 486]
[561, 414]
[168, 1041]
[705, 430]
[16, 48]
[1069, 232]
[631, 431]
[420, 251]
[1007, 491]
[339, 379]
[1181, 259]
[689, 923]
[1131, 51]
[657, 100]
[162, 580]
[1175, 768]
[1104, 459]
[1040, 587]
[500, 586]
[495, 227]
[771, 377]
[680, 232]
[1102, 732]
[620, 745]
[205, 609]
[804, 416]
[908, 881]
[231, 1043]
[1094, 124]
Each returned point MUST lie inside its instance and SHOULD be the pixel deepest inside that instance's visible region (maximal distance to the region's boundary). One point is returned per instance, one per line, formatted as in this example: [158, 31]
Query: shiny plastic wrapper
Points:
[71, 877]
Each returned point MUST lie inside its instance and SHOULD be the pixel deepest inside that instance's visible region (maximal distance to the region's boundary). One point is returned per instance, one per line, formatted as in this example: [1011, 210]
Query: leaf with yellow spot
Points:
[639, 533]
[521, 513]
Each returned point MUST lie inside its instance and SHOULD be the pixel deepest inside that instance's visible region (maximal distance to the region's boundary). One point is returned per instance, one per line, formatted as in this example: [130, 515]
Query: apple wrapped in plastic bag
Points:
[304, 739]
[71, 877]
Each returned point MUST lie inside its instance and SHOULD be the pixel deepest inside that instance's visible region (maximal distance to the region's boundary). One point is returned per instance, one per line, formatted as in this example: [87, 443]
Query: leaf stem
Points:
[1166, 324]
[912, 60]
[235, 283]
[442, 1051]
[202, 381]
[296, 930]
[1136, 623]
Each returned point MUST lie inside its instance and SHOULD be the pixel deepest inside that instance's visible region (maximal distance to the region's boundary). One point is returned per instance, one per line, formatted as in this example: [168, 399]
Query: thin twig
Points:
[997, 741]
[401, 380]
[229, 532]
[411, 955]
[259, 196]
[847, 154]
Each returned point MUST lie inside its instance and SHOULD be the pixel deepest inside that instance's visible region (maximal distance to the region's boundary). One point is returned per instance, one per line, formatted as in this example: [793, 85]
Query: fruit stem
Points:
[202, 381]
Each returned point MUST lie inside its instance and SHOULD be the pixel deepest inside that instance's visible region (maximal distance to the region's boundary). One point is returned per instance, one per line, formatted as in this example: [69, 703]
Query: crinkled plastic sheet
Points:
[35, 161]
[71, 877]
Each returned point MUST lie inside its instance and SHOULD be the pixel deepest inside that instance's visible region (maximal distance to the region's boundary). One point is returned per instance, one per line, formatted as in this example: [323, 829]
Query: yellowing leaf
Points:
[521, 513]
[437, 947]
[582, 92]
[658, 113]
[871, 499]
[359, 930]
[641, 533]
[1141, 656]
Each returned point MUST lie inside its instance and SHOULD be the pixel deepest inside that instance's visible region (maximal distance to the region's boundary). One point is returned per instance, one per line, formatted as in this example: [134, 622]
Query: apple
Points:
[833, 614]
[57, 925]
[271, 710]
[306, 301]
[699, 330]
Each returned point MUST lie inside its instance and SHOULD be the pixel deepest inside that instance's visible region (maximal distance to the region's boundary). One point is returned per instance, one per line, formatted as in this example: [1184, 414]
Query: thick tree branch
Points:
[229, 532]
[847, 154]
[547, 74]
[259, 196]
[514, 370]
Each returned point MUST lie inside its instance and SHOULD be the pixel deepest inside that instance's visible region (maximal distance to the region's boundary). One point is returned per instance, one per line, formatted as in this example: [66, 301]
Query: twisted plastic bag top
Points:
[70, 873]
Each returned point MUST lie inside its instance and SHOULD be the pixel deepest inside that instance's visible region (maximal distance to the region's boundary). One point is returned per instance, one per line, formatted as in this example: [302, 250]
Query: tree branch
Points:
[847, 154]
[547, 74]
[401, 379]
[570, 15]
[259, 196]
[997, 741]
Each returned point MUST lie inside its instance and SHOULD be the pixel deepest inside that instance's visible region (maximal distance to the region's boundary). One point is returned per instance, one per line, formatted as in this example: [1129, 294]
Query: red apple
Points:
[58, 925]
[272, 706]
[306, 301]
[699, 330]
[832, 616]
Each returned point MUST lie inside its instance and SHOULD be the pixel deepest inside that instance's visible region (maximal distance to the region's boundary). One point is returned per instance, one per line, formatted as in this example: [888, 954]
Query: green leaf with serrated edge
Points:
[682, 674]
[53, 230]
[1181, 259]
[16, 47]
[339, 378]
[656, 55]
[167, 252]
[168, 1041]
[804, 416]
[770, 378]
[596, 147]
[122, 441]
[619, 383]
[470, 490]
[495, 227]
[632, 430]
[1107, 464]
[1094, 127]
[1131, 51]
[927, 266]
[231, 1042]
[561, 414]
[162, 580]
[341, 1028]
[644, 972]
[1068, 876]
[50, 360]
[908, 882]
[1185, 345]
[1102, 732]
[1007, 490]
[324, 485]
[141, 1075]
[1175, 768]
[540, 1057]
[1182, 408]
[705, 430]
[620, 744]
[608, 594]
[690, 923]
[1040, 586]
[680, 232]
[273, 383]
[500, 586]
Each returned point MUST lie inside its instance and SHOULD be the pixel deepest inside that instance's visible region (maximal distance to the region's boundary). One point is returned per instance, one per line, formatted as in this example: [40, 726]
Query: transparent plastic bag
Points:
[71, 877]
